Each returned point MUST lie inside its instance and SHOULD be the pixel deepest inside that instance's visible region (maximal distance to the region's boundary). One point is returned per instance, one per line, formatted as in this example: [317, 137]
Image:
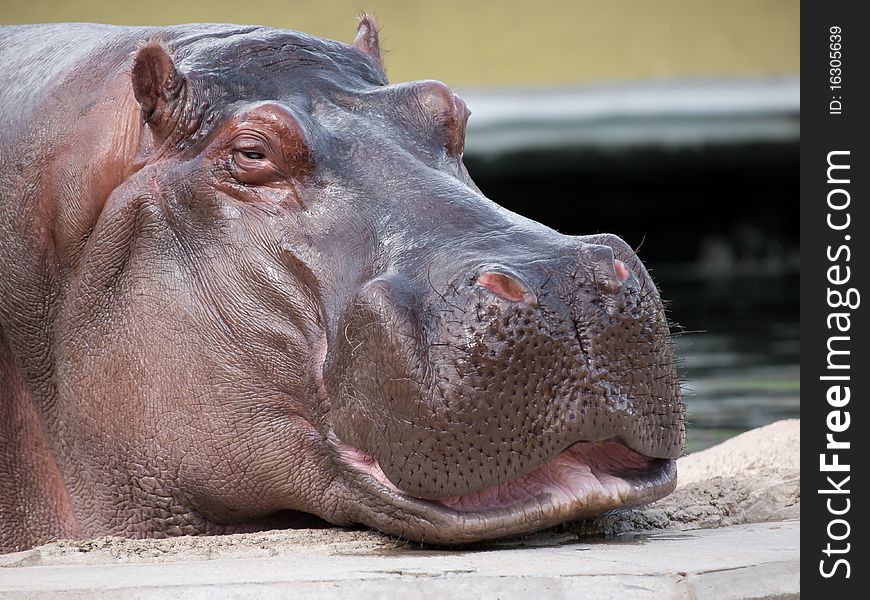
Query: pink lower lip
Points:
[586, 469]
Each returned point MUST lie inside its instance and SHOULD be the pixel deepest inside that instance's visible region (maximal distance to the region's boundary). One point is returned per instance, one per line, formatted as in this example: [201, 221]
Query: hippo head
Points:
[299, 301]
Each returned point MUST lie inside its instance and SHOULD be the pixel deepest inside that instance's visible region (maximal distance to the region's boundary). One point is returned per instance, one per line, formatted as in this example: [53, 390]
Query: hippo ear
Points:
[157, 84]
[366, 39]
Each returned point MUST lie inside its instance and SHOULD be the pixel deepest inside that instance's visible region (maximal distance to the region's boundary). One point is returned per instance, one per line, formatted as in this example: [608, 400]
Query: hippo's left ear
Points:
[366, 39]
[157, 85]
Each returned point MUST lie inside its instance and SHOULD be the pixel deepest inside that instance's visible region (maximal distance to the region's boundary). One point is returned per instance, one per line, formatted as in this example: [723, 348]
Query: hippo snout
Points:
[611, 275]
[511, 373]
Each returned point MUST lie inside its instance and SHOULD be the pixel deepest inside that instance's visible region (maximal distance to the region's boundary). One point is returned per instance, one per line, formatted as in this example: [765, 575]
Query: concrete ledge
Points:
[660, 114]
[744, 561]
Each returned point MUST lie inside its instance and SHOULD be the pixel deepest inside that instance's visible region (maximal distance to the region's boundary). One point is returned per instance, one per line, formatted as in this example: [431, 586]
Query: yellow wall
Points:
[505, 42]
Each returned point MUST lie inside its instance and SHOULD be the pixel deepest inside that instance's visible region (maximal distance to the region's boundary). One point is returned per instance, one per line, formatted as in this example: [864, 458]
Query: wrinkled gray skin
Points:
[243, 279]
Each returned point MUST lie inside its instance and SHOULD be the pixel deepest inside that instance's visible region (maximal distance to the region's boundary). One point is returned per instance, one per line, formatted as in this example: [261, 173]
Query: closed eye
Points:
[252, 155]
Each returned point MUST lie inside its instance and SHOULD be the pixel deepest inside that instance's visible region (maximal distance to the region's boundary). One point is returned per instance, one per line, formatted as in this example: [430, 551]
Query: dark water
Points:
[739, 360]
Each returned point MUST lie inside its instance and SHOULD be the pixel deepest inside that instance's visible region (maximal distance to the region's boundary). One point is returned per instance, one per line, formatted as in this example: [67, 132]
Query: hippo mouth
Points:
[585, 480]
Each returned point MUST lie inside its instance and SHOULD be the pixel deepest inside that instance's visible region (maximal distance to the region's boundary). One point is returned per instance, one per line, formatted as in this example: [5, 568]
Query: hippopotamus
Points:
[247, 283]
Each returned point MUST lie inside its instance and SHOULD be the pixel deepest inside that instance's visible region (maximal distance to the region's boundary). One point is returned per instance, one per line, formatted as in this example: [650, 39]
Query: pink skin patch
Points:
[506, 288]
[622, 272]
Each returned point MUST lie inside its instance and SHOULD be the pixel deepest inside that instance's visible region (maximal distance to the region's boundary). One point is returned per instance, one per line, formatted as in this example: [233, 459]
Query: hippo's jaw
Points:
[585, 480]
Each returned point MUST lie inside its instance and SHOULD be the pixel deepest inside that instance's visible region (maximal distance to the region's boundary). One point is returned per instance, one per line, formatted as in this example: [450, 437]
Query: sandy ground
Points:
[752, 478]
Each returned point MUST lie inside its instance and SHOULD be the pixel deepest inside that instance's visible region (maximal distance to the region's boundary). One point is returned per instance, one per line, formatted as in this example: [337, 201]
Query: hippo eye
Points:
[268, 148]
[249, 154]
[252, 163]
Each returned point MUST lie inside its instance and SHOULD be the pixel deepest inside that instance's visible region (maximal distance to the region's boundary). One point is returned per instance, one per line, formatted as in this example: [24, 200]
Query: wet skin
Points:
[243, 279]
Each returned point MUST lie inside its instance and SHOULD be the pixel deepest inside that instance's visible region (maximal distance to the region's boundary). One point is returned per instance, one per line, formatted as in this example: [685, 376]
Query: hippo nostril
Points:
[622, 272]
[611, 273]
[507, 288]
